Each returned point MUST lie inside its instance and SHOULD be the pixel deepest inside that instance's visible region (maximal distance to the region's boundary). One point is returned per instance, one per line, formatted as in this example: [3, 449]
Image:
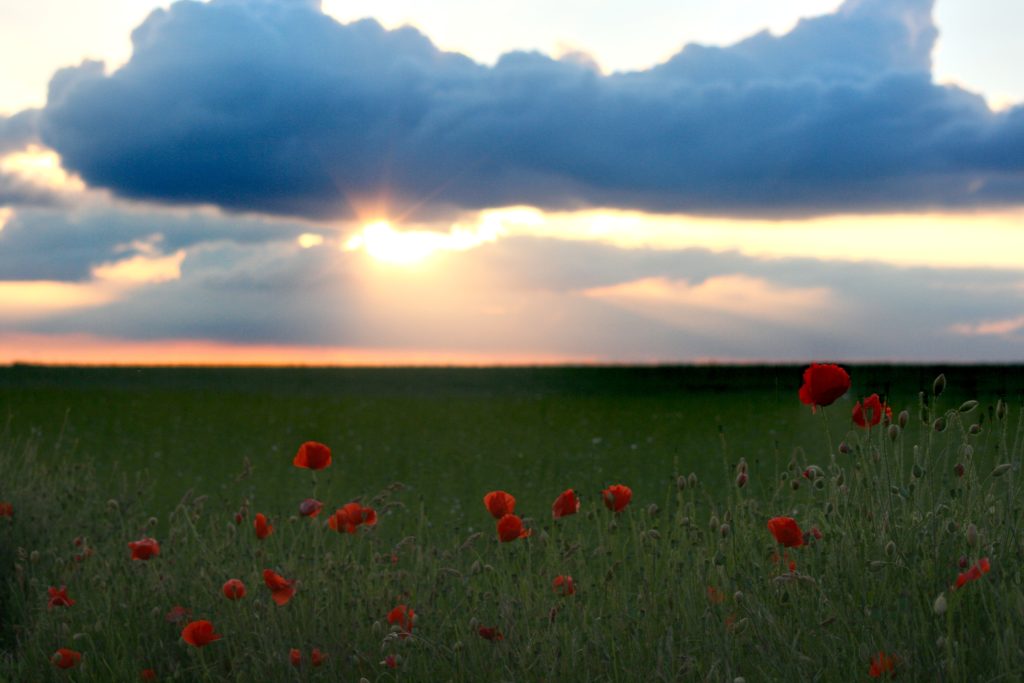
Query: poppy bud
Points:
[741, 480]
[1000, 470]
[1000, 409]
[152, 522]
[894, 432]
[916, 471]
[966, 451]
[33, 556]
[724, 530]
[958, 469]
[940, 424]
[741, 466]
[844, 448]
[962, 562]
[951, 527]
[713, 523]
[939, 606]
[939, 385]
[972, 535]
[819, 484]
[890, 548]
[652, 510]
[968, 406]
[738, 596]
[974, 429]
[681, 482]
[795, 484]
[903, 419]
[691, 480]
[113, 505]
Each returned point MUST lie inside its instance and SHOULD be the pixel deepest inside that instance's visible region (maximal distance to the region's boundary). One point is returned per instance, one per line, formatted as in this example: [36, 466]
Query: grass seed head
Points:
[939, 385]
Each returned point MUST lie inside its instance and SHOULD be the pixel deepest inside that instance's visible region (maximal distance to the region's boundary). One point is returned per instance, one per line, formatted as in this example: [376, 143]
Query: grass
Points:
[684, 584]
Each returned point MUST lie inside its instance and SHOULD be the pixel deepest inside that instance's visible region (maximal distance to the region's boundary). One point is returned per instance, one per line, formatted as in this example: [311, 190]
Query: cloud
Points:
[18, 131]
[272, 106]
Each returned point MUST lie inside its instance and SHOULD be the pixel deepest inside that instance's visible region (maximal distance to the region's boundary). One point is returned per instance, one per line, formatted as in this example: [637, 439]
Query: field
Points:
[684, 583]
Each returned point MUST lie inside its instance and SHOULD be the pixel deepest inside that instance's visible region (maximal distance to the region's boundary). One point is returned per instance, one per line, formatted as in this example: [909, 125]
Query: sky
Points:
[392, 182]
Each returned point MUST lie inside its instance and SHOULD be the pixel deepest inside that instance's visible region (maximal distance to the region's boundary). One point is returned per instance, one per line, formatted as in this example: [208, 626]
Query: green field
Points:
[151, 440]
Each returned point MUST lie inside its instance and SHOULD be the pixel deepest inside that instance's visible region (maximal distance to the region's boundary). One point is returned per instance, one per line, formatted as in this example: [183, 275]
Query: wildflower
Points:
[391, 662]
[144, 549]
[616, 497]
[510, 527]
[823, 384]
[499, 504]
[310, 507]
[199, 633]
[563, 584]
[312, 455]
[65, 658]
[976, 571]
[786, 531]
[870, 412]
[490, 633]
[316, 657]
[403, 617]
[58, 597]
[295, 657]
[177, 614]
[263, 528]
[566, 504]
[148, 674]
[281, 589]
[715, 596]
[6, 509]
[350, 516]
[881, 664]
[233, 589]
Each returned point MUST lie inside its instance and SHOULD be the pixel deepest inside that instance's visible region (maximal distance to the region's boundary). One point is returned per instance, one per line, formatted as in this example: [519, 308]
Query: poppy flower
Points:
[295, 657]
[566, 504]
[823, 384]
[177, 614]
[563, 585]
[870, 412]
[263, 529]
[490, 633]
[144, 549]
[199, 633]
[58, 597]
[350, 516]
[715, 596]
[976, 571]
[312, 455]
[316, 657]
[310, 507]
[499, 504]
[233, 589]
[881, 664]
[510, 527]
[786, 531]
[616, 497]
[148, 674]
[65, 658]
[6, 509]
[281, 589]
[391, 662]
[403, 617]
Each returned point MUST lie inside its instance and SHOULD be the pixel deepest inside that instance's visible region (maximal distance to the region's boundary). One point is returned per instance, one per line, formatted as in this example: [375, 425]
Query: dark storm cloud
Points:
[273, 106]
[18, 131]
[65, 244]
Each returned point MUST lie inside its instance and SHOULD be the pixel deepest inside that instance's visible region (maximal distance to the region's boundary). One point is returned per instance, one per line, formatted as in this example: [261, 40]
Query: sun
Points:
[387, 244]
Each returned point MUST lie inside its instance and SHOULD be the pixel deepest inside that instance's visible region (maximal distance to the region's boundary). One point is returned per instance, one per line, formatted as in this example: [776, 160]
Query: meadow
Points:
[684, 583]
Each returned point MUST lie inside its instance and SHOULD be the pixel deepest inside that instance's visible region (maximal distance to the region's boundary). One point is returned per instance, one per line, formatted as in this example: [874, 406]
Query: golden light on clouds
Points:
[141, 269]
[387, 244]
[37, 299]
[40, 166]
[308, 240]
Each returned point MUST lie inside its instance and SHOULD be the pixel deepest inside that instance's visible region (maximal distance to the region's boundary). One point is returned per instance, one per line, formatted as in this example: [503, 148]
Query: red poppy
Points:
[199, 633]
[880, 664]
[6, 509]
[59, 597]
[177, 614]
[823, 384]
[310, 507]
[233, 589]
[715, 596]
[316, 657]
[499, 504]
[870, 412]
[563, 584]
[617, 497]
[65, 658]
[391, 662]
[144, 549]
[510, 527]
[566, 504]
[148, 674]
[350, 516]
[295, 657]
[976, 571]
[403, 617]
[263, 529]
[786, 531]
[490, 633]
[281, 589]
[312, 455]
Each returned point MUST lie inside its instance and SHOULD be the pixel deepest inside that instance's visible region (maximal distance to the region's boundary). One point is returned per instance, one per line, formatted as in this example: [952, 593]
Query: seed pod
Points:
[903, 419]
[939, 385]
[968, 406]
[894, 432]
[939, 606]
[940, 424]
[1000, 470]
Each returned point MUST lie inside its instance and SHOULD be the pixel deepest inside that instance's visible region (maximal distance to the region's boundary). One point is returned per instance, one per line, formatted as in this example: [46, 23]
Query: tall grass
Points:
[685, 585]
